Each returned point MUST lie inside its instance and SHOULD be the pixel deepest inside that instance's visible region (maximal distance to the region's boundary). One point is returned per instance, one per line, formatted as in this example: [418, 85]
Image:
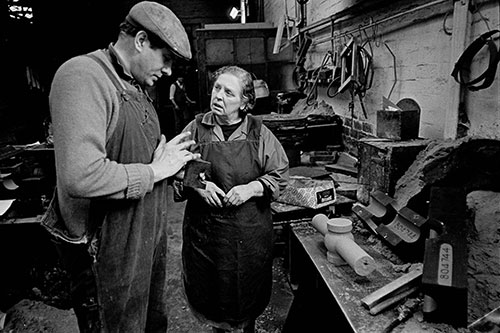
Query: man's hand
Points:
[170, 157]
[240, 194]
[212, 194]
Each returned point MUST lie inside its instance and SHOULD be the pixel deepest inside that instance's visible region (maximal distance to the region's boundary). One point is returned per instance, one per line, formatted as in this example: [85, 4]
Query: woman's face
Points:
[226, 98]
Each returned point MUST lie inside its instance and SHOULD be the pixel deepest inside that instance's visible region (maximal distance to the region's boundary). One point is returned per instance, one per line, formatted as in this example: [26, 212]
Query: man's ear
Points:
[140, 40]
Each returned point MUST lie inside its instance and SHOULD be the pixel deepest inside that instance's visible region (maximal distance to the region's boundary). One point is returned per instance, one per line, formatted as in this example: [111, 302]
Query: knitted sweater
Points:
[84, 106]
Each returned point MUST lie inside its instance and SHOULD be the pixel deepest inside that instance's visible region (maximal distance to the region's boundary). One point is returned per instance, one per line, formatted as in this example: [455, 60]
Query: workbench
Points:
[328, 297]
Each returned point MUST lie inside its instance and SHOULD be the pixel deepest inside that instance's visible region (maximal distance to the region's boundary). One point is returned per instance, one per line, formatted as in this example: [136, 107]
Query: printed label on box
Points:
[324, 196]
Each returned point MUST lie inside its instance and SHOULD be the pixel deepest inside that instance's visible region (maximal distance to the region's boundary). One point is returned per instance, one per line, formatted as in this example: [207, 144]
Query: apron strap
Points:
[254, 126]
[203, 132]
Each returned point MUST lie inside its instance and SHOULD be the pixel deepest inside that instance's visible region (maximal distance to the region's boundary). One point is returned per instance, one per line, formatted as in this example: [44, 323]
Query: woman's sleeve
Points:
[274, 162]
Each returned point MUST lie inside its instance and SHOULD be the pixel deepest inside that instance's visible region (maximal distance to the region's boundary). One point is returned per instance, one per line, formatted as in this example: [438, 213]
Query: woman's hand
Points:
[242, 193]
[212, 194]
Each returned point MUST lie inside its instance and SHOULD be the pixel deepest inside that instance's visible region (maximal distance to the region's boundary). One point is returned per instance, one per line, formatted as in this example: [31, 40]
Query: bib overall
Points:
[130, 258]
[227, 252]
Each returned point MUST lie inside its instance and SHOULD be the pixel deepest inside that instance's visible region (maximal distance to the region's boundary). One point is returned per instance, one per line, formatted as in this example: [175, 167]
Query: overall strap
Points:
[203, 134]
[254, 126]
[116, 82]
[120, 87]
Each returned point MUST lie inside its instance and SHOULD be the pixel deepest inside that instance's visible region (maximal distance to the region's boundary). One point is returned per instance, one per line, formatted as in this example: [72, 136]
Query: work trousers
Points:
[77, 262]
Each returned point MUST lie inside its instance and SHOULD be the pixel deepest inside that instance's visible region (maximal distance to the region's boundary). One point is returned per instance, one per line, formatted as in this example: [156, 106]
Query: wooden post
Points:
[459, 40]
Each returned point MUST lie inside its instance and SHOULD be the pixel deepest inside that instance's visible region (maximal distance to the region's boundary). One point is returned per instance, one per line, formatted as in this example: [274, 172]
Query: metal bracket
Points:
[349, 63]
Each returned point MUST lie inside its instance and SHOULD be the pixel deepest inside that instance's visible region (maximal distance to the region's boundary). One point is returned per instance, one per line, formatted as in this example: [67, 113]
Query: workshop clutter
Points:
[25, 182]
[402, 229]
[382, 162]
[306, 128]
[444, 278]
[400, 121]
[291, 132]
[309, 193]
[438, 240]
[261, 88]
[394, 291]
[350, 69]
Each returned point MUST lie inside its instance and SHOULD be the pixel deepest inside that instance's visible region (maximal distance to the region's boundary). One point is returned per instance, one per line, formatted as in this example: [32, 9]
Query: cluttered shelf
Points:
[27, 177]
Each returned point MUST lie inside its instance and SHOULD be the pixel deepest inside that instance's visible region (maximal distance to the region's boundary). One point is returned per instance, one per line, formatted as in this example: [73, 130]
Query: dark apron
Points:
[130, 266]
[227, 252]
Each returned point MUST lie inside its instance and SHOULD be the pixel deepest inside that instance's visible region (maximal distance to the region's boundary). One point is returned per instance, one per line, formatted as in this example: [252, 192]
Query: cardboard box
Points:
[309, 193]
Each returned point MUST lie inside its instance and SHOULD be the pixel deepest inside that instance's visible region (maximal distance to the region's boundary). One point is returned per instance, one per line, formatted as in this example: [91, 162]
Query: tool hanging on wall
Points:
[394, 69]
[462, 67]
[333, 87]
[349, 72]
[356, 73]
[313, 90]
[365, 78]
[349, 63]
[299, 74]
[289, 25]
[336, 70]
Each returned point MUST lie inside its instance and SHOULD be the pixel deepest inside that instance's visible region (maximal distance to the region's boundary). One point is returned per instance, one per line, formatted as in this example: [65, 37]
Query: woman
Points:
[228, 233]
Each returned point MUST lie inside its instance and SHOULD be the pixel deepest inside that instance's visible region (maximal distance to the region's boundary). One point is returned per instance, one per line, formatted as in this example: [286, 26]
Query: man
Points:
[180, 100]
[109, 214]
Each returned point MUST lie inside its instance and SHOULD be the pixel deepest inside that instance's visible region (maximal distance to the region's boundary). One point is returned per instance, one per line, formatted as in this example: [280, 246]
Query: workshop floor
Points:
[36, 311]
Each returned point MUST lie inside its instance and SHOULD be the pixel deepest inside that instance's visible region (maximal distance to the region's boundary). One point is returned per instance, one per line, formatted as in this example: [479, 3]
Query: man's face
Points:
[151, 64]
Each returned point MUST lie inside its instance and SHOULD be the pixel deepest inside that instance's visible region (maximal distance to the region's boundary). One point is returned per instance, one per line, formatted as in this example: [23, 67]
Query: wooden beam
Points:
[401, 284]
[459, 40]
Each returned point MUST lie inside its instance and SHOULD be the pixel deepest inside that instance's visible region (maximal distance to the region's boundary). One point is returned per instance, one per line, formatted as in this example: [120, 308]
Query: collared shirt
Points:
[118, 64]
[272, 156]
[122, 71]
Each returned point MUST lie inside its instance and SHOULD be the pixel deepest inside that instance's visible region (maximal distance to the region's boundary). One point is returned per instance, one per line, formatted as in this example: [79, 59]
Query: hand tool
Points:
[405, 311]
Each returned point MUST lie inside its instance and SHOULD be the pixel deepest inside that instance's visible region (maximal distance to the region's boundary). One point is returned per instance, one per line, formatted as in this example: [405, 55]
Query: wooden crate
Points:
[383, 162]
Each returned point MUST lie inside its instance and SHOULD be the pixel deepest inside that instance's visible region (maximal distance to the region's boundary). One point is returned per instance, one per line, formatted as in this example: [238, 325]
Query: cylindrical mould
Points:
[339, 240]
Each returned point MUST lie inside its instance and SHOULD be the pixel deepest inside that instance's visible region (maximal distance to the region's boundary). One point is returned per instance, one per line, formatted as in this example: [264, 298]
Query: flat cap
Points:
[162, 22]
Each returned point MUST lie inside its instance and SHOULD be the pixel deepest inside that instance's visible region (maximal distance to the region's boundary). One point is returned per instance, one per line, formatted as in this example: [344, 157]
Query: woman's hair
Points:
[130, 29]
[247, 91]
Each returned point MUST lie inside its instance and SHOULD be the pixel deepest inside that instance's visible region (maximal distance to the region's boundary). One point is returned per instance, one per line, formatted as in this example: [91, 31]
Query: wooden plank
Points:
[459, 40]
[22, 220]
[392, 288]
[392, 300]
